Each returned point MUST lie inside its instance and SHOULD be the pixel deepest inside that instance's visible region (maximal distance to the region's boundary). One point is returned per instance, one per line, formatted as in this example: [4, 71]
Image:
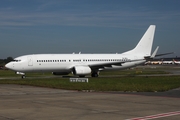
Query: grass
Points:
[129, 81]
[139, 84]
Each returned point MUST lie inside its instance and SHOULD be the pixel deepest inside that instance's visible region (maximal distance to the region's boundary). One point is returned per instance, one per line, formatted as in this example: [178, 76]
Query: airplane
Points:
[84, 64]
[176, 62]
[167, 62]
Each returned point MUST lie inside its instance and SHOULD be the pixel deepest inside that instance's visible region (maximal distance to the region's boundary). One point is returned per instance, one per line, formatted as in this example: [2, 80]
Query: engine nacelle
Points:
[60, 73]
[81, 70]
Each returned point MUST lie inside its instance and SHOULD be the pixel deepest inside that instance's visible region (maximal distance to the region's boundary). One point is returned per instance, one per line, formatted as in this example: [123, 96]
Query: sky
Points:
[86, 26]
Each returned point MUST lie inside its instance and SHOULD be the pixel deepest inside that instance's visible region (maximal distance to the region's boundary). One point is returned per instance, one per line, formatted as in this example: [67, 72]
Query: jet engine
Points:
[81, 70]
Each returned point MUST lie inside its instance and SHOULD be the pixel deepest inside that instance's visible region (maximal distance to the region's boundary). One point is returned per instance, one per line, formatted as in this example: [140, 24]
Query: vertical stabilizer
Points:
[145, 44]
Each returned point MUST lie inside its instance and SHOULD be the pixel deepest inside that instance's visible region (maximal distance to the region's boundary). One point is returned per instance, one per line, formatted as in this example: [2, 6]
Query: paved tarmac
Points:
[19, 102]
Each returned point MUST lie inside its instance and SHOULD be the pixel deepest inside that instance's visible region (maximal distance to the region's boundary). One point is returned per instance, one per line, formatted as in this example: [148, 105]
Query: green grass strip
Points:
[137, 83]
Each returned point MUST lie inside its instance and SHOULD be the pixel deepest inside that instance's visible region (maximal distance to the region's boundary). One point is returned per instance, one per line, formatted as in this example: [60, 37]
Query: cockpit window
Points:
[16, 60]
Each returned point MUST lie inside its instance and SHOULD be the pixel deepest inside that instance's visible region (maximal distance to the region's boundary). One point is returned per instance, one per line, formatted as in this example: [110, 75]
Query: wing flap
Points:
[110, 64]
[103, 65]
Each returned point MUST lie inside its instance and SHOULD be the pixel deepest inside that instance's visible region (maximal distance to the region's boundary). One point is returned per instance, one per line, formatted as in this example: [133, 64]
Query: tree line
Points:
[5, 61]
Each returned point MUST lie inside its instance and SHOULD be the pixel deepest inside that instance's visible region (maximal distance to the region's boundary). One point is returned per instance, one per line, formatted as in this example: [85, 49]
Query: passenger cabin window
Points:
[50, 60]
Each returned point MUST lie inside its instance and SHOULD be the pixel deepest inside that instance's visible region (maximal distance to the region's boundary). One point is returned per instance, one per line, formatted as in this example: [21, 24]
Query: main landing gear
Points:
[95, 74]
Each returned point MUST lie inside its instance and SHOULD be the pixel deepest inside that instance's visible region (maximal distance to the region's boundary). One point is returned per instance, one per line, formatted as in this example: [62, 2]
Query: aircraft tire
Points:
[95, 74]
[23, 76]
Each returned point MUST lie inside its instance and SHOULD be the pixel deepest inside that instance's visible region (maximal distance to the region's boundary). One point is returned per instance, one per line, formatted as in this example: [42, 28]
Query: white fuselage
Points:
[65, 62]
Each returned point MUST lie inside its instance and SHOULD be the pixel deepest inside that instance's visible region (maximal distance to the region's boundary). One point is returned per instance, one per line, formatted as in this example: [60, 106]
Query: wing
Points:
[110, 64]
[103, 65]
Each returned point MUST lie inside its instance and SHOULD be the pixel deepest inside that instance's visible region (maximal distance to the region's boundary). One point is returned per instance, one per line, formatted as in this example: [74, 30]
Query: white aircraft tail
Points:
[145, 44]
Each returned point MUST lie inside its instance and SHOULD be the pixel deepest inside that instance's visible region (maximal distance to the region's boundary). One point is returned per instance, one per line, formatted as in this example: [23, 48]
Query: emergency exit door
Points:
[30, 61]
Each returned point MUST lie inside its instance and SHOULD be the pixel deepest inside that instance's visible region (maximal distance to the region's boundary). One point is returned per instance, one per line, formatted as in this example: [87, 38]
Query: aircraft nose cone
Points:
[8, 65]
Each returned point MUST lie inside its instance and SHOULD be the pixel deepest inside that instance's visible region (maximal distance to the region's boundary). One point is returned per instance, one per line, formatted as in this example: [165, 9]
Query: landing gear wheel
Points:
[94, 74]
[23, 76]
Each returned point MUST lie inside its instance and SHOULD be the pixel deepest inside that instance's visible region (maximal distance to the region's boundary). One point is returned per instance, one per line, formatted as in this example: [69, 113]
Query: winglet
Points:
[154, 53]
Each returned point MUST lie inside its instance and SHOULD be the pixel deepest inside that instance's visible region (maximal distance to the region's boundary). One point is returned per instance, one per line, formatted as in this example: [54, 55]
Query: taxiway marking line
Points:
[156, 116]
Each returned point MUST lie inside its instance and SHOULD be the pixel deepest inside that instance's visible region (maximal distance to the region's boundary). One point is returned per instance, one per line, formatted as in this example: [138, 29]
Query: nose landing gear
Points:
[21, 73]
[23, 76]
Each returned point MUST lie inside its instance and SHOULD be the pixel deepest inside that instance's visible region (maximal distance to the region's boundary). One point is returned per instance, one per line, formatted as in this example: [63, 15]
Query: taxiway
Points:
[19, 102]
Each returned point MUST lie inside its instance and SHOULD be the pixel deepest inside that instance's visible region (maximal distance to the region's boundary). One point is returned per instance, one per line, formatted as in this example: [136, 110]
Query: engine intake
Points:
[81, 70]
